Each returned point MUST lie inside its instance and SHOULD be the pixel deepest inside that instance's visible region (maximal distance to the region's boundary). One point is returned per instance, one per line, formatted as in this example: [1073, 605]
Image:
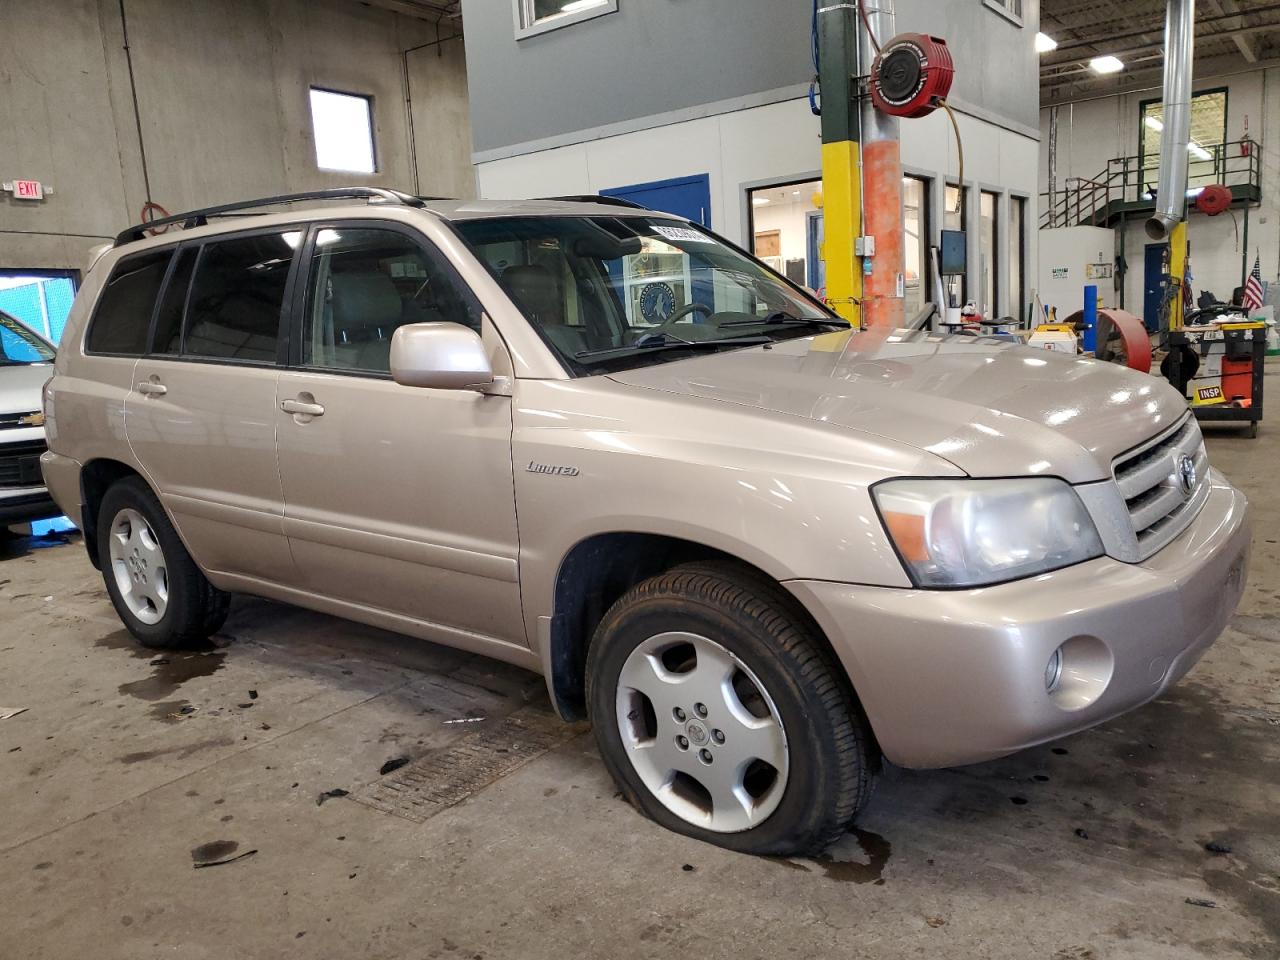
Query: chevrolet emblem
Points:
[32, 420]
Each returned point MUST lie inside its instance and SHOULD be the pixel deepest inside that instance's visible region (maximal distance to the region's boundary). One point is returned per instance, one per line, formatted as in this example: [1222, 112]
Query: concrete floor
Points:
[1089, 848]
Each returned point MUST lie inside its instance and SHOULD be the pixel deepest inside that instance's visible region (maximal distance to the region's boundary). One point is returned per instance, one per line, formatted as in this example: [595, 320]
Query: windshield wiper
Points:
[651, 344]
[782, 317]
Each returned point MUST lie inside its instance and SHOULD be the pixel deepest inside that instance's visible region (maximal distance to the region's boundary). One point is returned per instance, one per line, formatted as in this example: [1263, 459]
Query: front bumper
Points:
[955, 677]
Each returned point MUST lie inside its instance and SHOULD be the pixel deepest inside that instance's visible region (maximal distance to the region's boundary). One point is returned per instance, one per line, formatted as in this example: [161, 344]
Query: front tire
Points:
[721, 715]
[158, 591]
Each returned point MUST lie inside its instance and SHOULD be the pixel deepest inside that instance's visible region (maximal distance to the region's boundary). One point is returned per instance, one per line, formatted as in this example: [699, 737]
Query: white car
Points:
[26, 364]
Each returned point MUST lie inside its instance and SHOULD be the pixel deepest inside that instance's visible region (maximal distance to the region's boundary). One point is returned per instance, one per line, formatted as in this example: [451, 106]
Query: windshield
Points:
[19, 346]
[614, 293]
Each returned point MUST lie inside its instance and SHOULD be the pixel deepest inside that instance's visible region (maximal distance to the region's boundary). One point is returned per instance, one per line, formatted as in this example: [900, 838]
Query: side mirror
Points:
[446, 356]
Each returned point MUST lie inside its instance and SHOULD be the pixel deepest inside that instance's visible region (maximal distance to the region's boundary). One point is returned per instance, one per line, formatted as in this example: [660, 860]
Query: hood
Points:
[994, 409]
[20, 386]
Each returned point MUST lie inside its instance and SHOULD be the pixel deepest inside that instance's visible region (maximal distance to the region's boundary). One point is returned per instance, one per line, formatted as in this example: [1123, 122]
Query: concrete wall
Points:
[222, 92]
[1093, 131]
[658, 61]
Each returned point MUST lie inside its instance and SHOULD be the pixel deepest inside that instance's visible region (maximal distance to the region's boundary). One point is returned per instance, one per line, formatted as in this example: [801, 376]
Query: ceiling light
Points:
[1106, 64]
[795, 193]
[1154, 124]
[1045, 43]
[1199, 152]
[759, 201]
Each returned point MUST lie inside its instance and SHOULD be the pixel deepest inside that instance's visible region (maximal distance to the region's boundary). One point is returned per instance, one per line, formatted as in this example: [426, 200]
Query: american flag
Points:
[1252, 298]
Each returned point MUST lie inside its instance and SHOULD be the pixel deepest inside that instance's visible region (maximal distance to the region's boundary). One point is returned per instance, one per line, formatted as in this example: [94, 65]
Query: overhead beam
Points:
[1243, 43]
[430, 13]
[1050, 70]
[1223, 18]
[1087, 86]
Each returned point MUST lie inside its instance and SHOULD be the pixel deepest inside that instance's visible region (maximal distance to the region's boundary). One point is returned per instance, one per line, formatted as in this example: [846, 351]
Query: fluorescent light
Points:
[1106, 64]
[759, 201]
[1199, 152]
[576, 5]
[795, 193]
[1045, 43]
[1195, 192]
[1154, 124]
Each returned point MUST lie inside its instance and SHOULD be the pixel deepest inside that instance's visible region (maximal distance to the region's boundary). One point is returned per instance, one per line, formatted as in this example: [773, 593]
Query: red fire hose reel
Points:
[912, 73]
[1214, 199]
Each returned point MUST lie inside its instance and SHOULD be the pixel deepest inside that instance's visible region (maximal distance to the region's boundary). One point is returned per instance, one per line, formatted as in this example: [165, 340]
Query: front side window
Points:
[539, 16]
[237, 294]
[19, 346]
[610, 293]
[363, 283]
[123, 314]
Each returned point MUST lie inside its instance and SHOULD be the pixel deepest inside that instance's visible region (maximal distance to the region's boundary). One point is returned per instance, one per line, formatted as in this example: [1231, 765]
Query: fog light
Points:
[1053, 672]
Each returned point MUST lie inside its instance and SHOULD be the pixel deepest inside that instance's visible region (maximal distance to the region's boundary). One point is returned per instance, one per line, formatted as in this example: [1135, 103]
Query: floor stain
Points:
[214, 850]
[171, 669]
[179, 752]
[835, 864]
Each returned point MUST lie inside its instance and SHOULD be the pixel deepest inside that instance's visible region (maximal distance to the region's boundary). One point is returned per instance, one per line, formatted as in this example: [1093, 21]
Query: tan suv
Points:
[760, 550]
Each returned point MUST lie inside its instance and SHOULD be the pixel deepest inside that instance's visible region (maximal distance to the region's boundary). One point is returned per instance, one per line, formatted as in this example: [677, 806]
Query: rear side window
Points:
[168, 337]
[237, 295]
[123, 315]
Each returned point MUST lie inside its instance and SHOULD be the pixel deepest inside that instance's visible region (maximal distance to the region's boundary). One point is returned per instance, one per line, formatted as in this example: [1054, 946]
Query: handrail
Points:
[1085, 200]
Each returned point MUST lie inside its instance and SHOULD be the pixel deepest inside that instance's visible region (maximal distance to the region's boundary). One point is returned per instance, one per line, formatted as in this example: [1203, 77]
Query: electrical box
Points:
[952, 257]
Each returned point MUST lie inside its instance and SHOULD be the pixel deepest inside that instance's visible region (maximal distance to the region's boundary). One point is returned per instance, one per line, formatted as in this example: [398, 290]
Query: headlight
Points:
[970, 533]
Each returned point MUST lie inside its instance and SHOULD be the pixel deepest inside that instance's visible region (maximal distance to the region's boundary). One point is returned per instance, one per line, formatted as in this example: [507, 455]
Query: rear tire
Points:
[158, 591]
[723, 716]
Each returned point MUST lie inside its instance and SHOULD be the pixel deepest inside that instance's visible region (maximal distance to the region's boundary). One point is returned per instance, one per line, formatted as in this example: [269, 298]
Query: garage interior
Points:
[303, 785]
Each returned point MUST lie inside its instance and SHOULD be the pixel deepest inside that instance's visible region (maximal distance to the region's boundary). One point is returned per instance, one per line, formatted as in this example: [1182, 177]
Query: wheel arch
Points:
[96, 478]
[599, 569]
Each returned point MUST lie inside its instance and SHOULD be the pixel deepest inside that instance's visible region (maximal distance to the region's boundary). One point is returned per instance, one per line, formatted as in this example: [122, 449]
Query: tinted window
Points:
[123, 314]
[363, 284]
[168, 336]
[236, 297]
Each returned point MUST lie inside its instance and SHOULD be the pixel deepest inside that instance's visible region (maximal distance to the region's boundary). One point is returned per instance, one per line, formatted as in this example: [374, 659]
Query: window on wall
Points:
[1012, 9]
[786, 230]
[1017, 251]
[915, 225]
[343, 127]
[1208, 133]
[989, 252]
[955, 216]
[539, 16]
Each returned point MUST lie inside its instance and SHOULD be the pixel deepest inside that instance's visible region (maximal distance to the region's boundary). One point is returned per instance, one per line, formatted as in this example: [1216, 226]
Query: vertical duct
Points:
[1179, 49]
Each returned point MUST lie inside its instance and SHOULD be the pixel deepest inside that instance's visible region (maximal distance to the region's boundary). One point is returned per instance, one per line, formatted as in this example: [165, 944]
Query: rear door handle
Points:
[152, 389]
[302, 407]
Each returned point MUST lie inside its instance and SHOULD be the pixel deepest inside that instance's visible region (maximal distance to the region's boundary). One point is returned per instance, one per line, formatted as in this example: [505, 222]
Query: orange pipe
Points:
[882, 295]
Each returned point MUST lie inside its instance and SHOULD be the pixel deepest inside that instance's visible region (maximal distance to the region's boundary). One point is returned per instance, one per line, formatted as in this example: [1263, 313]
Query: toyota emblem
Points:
[1186, 474]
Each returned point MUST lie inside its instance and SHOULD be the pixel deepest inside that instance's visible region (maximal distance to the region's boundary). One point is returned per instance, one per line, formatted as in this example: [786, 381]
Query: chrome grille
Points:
[20, 464]
[1149, 478]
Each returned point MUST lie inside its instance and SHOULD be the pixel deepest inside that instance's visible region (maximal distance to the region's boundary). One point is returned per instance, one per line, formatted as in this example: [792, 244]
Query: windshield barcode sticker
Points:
[682, 233]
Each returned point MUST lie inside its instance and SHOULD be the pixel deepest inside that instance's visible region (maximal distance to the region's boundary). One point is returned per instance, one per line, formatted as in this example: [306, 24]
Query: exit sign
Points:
[28, 190]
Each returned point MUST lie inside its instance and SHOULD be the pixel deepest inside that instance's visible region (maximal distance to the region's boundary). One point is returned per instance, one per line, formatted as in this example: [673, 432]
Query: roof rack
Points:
[599, 198]
[199, 218]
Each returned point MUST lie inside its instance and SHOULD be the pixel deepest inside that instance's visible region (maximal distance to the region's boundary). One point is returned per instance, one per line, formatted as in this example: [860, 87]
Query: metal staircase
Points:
[1125, 190]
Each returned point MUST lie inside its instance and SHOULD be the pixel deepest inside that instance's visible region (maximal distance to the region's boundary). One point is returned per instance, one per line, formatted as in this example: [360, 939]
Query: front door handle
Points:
[304, 408]
[152, 389]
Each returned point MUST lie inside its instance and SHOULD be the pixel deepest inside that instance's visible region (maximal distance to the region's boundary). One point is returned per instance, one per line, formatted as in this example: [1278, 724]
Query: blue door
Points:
[1153, 284]
[688, 197]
